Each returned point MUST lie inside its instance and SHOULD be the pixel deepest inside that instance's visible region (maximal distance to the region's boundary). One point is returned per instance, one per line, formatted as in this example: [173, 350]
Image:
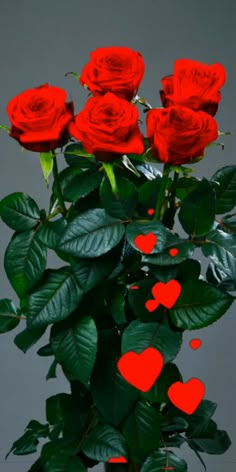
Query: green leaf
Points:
[177, 424]
[139, 336]
[91, 234]
[117, 304]
[59, 456]
[197, 212]
[199, 305]
[104, 442]
[158, 460]
[19, 211]
[137, 299]
[36, 467]
[137, 228]
[65, 410]
[52, 370]
[225, 190]
[151, 172]
[25, 261]
[46, 161]
[45, 351]
[185, 185]
[75, 155]
[221, 248]
[148, 194]
[229, 222]
[185, 249]
[158, 392]
[50, 231]
[41, 430]
[89, 272]
[216, 276]
[123, 207]
[79, 184]
[8, 315]
[112, 395]
[28, 337]
[55, 300]
[142, 429]
[26, 444]
[75, 347]
[219, 444]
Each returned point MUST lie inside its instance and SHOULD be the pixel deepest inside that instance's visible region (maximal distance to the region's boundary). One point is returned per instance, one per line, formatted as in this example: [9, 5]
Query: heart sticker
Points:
[173, 252]
[145, 243]
[165, 294]
[141, 370]
[118, 459]
[187, 396]
[195, 343]
[151, 211]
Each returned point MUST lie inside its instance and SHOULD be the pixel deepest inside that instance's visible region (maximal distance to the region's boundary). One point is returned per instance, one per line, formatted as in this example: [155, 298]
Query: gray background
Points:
[39, 42]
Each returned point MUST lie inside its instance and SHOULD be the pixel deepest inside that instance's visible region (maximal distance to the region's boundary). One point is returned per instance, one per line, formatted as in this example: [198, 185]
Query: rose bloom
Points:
[39, 118]
[114, 69]
[195, 85]
[108, 128]
[178, 134]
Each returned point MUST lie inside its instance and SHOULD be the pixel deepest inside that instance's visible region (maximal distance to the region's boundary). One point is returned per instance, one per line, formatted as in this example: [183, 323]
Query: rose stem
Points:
[161, 192]
[57, 185]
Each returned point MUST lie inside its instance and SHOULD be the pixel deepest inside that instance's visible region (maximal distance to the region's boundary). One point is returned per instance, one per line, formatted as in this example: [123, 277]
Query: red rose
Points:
[195, 85]
[178, 134]
[114, 69]
[108, 127]
[39, 118]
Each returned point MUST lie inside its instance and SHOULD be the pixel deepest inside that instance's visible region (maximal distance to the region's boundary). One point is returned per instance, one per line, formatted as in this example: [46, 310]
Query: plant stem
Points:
[161, 192]
[57, 185]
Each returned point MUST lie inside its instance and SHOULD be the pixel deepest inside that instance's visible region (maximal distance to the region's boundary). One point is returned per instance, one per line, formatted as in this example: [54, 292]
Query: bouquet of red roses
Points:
[129, 287]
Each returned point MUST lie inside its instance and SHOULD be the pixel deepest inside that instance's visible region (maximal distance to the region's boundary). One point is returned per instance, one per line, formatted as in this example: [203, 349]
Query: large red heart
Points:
[146, 242]
[166, 294]
[141, 370]
[187, 396]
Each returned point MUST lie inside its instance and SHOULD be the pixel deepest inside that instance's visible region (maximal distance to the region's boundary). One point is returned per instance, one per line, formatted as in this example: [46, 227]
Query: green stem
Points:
[161, 193]
[108, 167]
[57, 185]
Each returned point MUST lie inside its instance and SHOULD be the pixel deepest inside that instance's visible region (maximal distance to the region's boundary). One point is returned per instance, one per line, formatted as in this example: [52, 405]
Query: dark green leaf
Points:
[45, 351]
[55, 300]
[19, 211]
[225, 190]
[59, 456]
[158, 460]
[89, 272]
[123, 207]
[25, 261]
[80, 184]
[92, 234]
[148, 194]
[104, 442]
[139, 336]
[138, 297]
[184, 247]
[75, 155]
[229, 223]
[8, 315]
[52, 370]
[117, 304]
[142, 429]
[112, 395]
[28, 337]
[197, 212]
[26, 444]
[40, 430]
[50, 231]
[75, 347]
[199, 305]
[36, 467]
[221, 248]
[185, 185]
[219, 444]
[216, 276]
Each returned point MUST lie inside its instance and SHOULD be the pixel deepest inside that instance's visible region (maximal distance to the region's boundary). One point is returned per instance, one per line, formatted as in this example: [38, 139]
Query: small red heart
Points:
[173, 252]
[151, 211]
[141, 370]
[145, 243]
[151, 305]
[167, 294]
[195, 343]
[118, 459]
[134, 287]
[187, 396]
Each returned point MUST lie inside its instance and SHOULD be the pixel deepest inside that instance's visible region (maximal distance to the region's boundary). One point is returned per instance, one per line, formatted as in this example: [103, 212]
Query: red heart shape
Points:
[118, 459]
[141, 370]
[146, 242]
[195, 343]
[187, 396]
[151, 305]
[173, 252]
[167, 294]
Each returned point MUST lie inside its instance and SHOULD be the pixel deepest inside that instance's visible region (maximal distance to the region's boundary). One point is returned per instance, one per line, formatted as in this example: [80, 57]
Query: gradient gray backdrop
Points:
[39, 42]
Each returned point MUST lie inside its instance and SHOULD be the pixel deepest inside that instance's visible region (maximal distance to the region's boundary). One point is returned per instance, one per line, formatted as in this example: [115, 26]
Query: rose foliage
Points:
[93, 310]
